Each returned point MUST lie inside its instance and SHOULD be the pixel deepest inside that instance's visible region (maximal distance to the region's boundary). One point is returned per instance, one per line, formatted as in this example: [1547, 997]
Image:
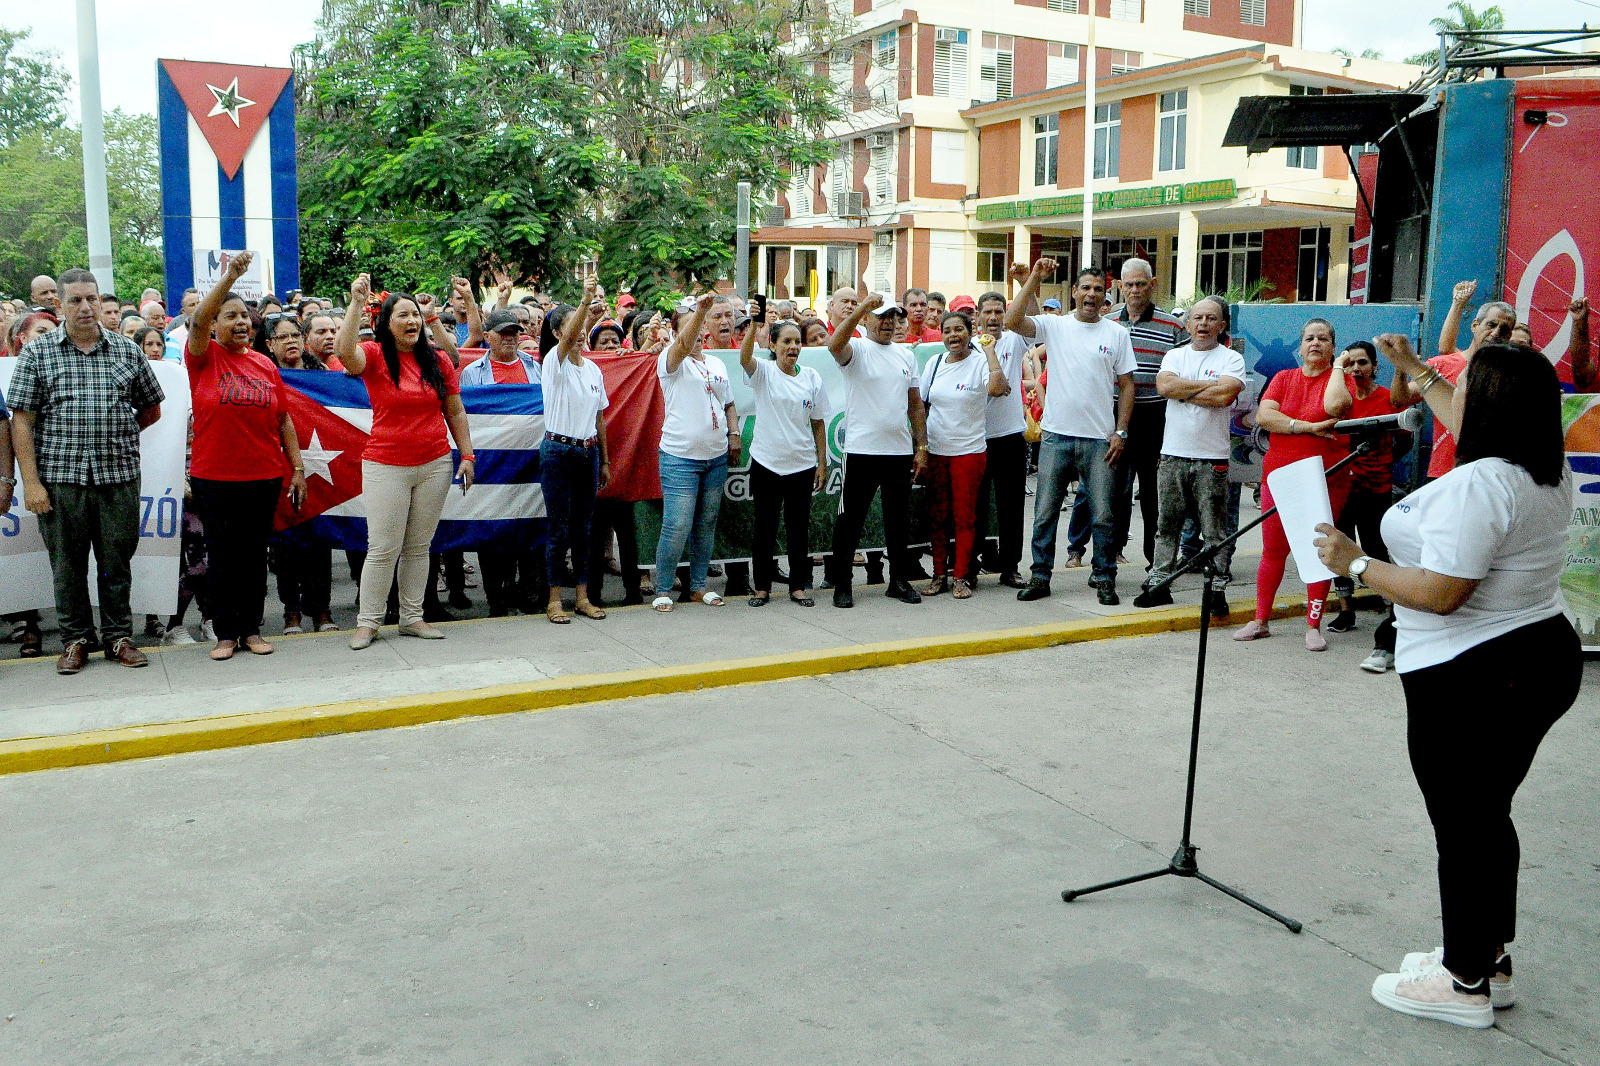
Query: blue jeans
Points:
[691, 496]
[570, 476]
[1061, 461]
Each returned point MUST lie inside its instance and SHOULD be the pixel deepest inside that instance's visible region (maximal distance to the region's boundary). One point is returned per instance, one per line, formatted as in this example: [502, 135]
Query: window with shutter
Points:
[1123, 62]
[1069, 6]
[1061, 65]
[1127, 10]
[883, 175]
[1046, 138]
[882, 260]
[800, 193]
[994, 69]
[1197, 7]
[884, 52]
[840, 184]
[949, 162]
[1253, 12]
[950, 64]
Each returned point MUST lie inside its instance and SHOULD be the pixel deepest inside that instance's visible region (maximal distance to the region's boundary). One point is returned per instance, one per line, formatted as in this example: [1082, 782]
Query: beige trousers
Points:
[403, 505]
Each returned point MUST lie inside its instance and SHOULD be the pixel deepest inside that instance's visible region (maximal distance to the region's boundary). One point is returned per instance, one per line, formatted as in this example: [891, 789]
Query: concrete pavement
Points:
[859, 868]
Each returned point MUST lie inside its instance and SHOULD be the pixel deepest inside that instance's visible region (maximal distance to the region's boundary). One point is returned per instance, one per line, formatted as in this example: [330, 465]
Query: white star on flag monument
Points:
[317, 460]
[228, 101]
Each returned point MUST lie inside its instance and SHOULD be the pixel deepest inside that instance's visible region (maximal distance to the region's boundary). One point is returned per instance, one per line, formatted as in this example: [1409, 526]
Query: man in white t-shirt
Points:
[1005, 475]
[1087, 359]
[885, 443]
[1200, 380]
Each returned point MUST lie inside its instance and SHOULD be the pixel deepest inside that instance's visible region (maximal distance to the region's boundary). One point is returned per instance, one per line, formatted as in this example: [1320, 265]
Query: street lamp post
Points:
[97, 213]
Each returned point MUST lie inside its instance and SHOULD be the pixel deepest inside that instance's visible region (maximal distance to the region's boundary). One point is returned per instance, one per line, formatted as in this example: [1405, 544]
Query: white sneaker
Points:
[1434, 993]
[207, 631]
[178, 635]
[1380, 662]
[1502, 989]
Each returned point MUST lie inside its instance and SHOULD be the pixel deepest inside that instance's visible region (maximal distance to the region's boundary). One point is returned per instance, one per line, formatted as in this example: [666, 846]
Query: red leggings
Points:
[1275, 554]
[953, 511]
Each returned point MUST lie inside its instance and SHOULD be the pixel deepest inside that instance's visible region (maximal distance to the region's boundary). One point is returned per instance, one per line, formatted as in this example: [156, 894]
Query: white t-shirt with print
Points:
[785, 408]
[1084, 360]
[1004, 415]
[878, 379]
[958, 398]
[696, 394]
[574, 396]
[1195, 431]
[1490, 521]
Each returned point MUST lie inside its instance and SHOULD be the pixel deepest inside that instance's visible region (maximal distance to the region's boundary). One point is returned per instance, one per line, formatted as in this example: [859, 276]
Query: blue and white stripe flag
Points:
[503, 509]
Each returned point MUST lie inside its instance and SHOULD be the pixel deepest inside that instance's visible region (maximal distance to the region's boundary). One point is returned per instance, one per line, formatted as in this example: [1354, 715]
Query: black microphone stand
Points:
[1183, 863]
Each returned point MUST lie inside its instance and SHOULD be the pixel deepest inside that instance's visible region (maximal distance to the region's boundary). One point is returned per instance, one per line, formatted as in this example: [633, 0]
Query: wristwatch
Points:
[1358, 566]
[1122, 433]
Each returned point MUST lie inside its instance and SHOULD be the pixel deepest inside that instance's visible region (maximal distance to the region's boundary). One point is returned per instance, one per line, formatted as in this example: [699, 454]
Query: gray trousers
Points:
[1188, 488]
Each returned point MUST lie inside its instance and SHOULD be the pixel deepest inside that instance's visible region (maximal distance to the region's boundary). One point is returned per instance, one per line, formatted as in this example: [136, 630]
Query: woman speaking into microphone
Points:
[1486, 658]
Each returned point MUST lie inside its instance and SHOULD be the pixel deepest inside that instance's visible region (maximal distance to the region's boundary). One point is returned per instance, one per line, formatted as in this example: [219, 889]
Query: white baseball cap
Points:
[889, 304]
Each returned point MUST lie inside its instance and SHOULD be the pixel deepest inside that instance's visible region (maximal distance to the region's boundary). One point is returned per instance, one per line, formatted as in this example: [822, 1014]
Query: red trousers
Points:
[953, 511]
[1275, 555]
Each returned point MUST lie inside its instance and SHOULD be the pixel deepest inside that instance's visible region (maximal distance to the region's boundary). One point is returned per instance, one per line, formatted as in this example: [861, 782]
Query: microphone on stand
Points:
[1407, 421]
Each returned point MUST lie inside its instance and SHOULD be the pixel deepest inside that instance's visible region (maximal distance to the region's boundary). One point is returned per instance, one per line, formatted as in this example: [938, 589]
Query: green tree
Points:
[1460, 18]
[33, 88]
[440, 137]
[458, 136]
[42, 227]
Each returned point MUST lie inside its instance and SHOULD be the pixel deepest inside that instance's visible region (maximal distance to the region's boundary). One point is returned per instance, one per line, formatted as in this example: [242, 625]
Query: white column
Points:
[1339, 262]
[1183, 285]
[1021, 247]
[1086, 255]
[97, 213]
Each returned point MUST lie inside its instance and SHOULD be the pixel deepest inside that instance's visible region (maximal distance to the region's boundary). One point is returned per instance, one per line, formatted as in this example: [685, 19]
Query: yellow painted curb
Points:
[266, 727]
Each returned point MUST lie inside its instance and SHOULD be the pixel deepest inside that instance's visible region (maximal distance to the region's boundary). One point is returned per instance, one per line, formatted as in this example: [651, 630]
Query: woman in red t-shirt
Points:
[406, 470]
[244, 444]
[1299, 409]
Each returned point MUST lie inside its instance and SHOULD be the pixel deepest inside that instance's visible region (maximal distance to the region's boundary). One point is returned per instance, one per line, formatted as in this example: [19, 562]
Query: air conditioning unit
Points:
[773, 215]
[947, 34]
[881, 140]
[850, 205]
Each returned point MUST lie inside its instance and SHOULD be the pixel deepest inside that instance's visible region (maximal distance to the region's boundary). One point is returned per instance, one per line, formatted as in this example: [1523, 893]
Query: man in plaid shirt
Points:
[80, 396]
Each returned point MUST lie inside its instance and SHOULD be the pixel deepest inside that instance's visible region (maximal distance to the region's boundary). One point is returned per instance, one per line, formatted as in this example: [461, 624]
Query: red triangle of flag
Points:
[228, 102]
[330, 449]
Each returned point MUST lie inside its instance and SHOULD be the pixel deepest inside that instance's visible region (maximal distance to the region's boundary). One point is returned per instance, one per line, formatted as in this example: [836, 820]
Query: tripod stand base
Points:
[1183, 864]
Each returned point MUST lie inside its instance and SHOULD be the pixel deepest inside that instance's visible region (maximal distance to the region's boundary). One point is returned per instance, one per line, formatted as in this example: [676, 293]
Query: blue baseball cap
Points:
[1052, 303]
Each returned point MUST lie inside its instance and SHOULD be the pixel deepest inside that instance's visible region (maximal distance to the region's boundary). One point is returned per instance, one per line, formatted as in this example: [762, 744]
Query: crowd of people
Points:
[1113, 397]
[1109, 404]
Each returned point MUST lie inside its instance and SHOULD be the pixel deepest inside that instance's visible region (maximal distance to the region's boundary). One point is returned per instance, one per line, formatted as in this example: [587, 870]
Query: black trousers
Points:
[305, 578]
[237, 516]
[1005, 482]
[1362, 521]
[1473, 725]
[513, 578]
[864, 477]
[613, 516]
[790, 493]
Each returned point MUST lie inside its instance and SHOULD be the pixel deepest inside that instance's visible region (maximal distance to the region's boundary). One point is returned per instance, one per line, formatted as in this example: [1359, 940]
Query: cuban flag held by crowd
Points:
[503, 509]
[227, 171]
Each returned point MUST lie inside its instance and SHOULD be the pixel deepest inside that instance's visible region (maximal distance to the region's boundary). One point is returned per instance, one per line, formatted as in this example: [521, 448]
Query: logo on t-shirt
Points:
[236, 390]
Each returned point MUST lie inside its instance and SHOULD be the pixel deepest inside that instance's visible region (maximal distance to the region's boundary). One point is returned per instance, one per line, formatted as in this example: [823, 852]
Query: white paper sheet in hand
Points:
[1300, 491]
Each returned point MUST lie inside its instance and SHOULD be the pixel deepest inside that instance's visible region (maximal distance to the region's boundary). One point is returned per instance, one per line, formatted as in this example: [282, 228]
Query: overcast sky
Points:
[132, 37]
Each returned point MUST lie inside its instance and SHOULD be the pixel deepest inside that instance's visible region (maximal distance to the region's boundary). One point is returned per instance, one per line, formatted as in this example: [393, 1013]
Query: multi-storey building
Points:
[966, 146]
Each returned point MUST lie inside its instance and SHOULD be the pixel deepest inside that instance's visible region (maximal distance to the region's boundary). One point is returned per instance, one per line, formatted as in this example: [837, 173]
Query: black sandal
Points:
[802, 598]
[759, 599]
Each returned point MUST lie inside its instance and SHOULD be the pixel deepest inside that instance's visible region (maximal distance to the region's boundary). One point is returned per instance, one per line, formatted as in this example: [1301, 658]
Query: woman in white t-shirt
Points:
[698, 436]
[788, 457]
[1486, 657]
[956, 386]
[574, 463]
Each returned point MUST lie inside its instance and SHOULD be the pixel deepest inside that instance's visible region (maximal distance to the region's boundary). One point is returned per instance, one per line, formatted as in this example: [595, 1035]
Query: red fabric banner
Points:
[1553, 230]
[633, 424]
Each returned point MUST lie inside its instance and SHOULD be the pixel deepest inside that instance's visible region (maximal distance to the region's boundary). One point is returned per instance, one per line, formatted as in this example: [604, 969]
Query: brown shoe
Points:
[73, 656]
[122, 651]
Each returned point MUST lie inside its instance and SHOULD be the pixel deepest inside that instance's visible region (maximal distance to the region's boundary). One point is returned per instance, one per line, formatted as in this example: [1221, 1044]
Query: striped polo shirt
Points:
[1154, 334]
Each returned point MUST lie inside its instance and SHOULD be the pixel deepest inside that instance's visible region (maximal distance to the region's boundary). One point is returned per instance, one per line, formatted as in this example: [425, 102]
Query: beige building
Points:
[966, 146]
